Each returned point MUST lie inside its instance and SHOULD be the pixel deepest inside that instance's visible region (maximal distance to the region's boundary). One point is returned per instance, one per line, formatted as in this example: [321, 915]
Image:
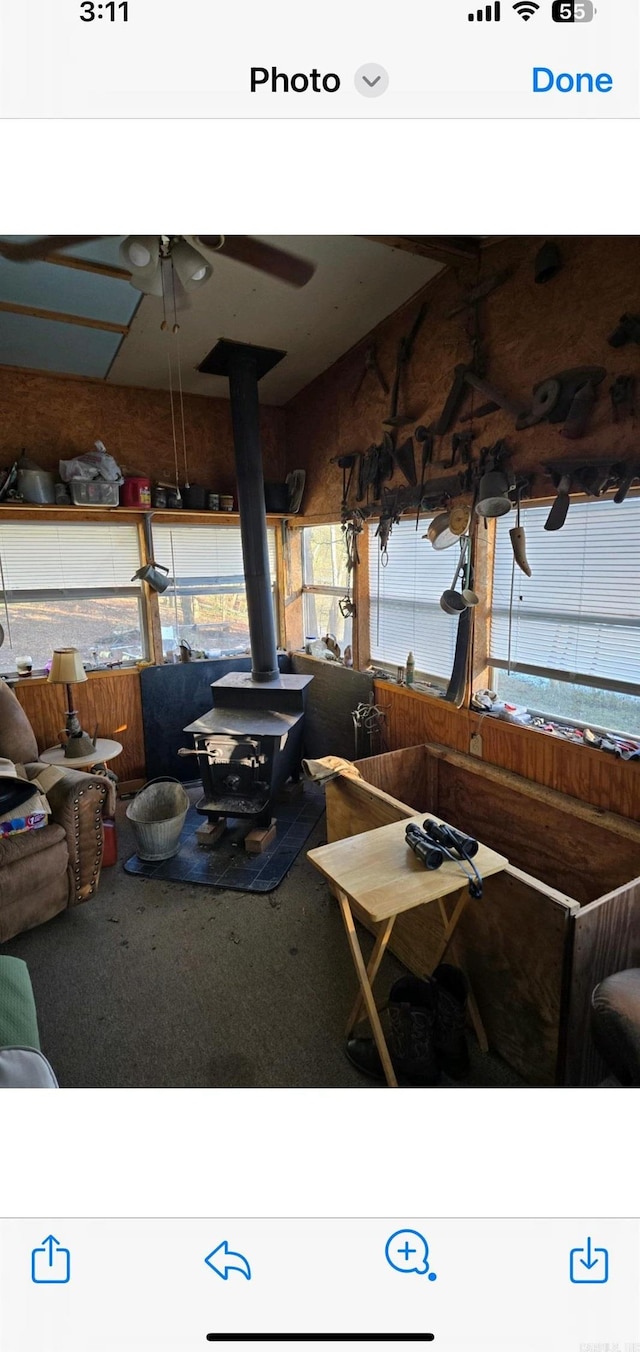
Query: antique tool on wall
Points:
[482, 412]
[548, 263]
[376, 465]
[628, 331]
[580, 412]
[554, 397]
[623, 398]
[463, 376]
[626, 475]
[405, 349]
[518, 540]
[345, 463]
[425, 438]
[371, 367]
[404, 457]
[558, 514]
[480, 292]
[594, 480]
[461, 448]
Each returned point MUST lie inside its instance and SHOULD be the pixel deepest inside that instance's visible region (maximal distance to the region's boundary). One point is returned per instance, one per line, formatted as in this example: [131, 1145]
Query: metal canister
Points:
[213, 502]
[158, 496]
[226, 502]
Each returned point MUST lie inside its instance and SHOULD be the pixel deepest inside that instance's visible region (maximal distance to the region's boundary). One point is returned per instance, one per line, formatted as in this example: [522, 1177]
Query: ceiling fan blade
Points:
[35, 249]
[287, 267]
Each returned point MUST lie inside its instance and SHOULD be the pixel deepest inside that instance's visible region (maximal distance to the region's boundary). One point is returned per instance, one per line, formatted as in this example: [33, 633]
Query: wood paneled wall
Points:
[110, 699]
[54, 418]
[590, 775]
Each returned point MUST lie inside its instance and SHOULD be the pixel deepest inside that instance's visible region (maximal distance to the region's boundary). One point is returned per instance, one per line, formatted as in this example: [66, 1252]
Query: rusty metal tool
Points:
[480, 292]
[404, 457]
[460, 447]
[405, 349]
[580, 412]
[371, 367]
[626, 474]
[623, 397]
[424, 437]
[558, 514]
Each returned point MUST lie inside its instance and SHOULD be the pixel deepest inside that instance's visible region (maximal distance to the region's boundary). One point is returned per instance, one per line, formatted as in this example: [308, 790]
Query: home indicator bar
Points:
[321, 1337]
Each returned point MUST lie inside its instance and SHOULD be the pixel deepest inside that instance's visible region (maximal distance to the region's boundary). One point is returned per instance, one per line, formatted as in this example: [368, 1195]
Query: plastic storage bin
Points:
[94, 493]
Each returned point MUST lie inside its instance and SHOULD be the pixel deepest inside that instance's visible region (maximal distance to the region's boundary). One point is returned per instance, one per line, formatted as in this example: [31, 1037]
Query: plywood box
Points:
[564, 914]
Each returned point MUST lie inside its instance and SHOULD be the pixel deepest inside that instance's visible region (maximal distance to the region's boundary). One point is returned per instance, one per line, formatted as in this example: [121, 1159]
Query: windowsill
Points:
[413, 690]
[41, 678]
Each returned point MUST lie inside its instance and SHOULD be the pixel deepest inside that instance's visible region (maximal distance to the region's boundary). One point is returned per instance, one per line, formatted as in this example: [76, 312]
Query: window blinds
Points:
[68, 557]
[405, 600]
[205, 558]
[578, 617]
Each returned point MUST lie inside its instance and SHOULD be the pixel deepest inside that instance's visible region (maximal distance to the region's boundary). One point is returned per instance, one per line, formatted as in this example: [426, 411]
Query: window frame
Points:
[45, 595]
[238, 588]
[571, 678]
[322, 589]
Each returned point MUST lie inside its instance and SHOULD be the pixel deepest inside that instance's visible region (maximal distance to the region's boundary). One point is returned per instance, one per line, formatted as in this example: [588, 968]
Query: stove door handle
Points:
[189, 751]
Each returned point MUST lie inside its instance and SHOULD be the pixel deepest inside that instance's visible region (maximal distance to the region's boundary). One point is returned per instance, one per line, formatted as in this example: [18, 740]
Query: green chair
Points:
[22, 1065]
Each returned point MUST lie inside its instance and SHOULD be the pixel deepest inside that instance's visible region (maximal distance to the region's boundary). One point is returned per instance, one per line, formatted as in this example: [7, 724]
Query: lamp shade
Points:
[66, 667]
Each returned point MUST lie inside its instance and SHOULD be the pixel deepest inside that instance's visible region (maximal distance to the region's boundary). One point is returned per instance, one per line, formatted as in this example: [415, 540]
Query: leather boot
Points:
[451, 1015]
[411, 1042]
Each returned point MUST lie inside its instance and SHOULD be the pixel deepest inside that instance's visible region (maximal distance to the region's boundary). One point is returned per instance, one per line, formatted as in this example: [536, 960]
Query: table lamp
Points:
[67, 669]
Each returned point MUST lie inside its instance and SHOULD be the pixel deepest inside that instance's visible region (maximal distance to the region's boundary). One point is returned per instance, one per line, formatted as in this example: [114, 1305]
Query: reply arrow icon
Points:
[222, 1260]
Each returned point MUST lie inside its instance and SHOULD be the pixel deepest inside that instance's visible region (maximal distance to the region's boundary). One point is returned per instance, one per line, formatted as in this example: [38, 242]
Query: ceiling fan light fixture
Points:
[140, 253]
[192, 268]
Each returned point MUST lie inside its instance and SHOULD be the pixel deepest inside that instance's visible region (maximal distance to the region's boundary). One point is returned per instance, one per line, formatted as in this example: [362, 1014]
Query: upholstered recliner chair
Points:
[44, 871]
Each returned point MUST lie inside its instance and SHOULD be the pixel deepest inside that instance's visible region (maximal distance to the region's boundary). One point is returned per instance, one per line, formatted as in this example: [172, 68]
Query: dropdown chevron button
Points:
[371, 80]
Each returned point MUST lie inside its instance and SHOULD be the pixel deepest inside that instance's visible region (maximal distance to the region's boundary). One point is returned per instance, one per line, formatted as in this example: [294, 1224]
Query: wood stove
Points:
[250, 742]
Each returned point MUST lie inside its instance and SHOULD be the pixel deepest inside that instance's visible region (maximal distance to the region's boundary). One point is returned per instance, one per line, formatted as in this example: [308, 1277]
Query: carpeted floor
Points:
[168, 985]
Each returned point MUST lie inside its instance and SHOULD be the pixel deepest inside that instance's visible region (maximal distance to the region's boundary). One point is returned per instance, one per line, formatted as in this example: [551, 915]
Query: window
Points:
[325, 581]
[405, 601]
[69, 585]
[572, 646]
[206, 604]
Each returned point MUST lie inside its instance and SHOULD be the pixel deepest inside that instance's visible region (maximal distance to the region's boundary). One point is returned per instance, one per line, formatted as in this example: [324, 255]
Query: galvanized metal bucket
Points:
[157, 815]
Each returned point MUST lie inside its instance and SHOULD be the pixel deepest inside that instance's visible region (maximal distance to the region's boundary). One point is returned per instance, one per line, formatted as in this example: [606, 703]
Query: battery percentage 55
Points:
[573, 11]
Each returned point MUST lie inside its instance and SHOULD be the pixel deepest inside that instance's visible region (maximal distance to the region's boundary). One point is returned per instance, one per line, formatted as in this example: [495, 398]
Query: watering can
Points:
[152, 573]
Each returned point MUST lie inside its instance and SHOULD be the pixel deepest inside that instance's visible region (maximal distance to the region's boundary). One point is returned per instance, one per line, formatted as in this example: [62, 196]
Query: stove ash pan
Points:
[245, 757]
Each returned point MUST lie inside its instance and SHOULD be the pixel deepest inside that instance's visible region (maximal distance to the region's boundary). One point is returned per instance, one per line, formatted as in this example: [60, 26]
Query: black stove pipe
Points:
[245, 414]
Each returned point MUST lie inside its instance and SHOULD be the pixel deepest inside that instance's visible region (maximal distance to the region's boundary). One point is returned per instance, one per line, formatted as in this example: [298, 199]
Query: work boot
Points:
[412, 1015]
[452, 990]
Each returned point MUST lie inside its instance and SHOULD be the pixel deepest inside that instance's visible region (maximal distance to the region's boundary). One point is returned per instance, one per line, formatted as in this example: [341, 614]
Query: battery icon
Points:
[573, 11]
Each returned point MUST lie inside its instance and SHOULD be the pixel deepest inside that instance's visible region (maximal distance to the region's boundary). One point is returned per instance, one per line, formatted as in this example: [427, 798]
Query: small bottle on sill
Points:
[410, 669]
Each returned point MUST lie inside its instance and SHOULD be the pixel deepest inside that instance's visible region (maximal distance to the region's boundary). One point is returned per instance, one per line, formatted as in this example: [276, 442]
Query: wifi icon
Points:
[526, 9]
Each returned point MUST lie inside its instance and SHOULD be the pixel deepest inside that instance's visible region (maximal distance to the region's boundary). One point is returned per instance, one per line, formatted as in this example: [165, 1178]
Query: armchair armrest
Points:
[78, 802]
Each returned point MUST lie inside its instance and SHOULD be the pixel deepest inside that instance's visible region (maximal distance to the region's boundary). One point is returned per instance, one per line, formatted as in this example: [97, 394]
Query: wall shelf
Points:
[31, 512]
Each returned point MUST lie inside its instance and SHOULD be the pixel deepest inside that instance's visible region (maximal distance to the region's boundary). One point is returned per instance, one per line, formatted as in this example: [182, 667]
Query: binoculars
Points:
[434, 842]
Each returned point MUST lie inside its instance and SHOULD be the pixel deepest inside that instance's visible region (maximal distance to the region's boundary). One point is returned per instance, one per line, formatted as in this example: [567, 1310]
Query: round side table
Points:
[104, 750]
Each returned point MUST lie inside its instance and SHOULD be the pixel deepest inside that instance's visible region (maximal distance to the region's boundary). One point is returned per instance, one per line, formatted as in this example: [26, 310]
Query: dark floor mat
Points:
[228, 865]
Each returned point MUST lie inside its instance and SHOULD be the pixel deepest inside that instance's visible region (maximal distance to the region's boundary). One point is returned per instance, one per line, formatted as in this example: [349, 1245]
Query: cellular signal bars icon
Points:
[487, 14]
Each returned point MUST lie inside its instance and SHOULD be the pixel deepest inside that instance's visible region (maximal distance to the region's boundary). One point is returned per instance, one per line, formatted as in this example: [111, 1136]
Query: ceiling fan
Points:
[187, 256]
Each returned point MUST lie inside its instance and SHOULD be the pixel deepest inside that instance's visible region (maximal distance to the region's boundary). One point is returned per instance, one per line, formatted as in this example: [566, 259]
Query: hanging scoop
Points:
[519, 543]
